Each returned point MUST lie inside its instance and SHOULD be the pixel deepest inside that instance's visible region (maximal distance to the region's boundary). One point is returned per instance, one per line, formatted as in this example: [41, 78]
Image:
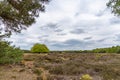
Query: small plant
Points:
[37, 71]
[57, 70]
[86, 77]
[98, 56]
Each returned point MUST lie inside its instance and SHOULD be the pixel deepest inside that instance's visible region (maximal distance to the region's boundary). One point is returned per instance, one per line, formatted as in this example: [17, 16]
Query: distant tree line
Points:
[42, 48]
[113, 49]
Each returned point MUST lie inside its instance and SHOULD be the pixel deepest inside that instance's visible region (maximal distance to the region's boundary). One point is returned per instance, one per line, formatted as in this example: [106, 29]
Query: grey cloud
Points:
[52, 25]
[42, 36]
[87, 38]
[77, 31]
[118, 37]
[45, 36]
[73, 44]
[115, 20]
[101, 13]
[58, 30]
[23, 44]
[77, 14]
[49, 26]
[61, 34]
[101, 40]
[83, 18]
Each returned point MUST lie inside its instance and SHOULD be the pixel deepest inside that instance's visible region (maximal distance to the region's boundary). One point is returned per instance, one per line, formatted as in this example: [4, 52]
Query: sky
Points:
[72, 25]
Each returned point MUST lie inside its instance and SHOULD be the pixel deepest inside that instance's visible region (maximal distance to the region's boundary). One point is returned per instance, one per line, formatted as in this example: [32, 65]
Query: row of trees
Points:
[42, 48]
[114, 49]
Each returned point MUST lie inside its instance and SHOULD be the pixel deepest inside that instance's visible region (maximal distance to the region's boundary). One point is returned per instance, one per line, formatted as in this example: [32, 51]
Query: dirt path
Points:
[16, 73]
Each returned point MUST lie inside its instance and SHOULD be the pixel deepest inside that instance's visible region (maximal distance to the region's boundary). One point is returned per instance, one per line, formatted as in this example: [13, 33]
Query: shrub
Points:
[86, 77]
[9, 54]
[57, 70]
[118, 50]
[39, 48]
[37, 71]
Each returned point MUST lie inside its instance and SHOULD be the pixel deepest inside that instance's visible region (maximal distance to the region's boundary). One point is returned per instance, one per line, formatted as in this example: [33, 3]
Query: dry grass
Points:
[65, 66]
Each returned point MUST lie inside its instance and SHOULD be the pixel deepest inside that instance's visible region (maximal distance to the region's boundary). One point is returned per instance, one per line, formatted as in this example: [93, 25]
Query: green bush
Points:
[9, 54]
[39, 48]
[86, 77]
[118, 51]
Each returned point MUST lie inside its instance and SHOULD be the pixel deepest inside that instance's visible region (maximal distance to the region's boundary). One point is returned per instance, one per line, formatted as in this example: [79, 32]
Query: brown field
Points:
[64, 66]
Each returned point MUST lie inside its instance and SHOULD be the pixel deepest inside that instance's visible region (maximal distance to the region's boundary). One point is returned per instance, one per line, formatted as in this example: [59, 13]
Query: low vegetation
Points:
[64, 66]
[69, 66]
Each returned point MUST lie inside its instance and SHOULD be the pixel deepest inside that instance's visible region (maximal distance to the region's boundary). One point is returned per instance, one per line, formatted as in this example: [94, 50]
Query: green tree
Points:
[39, 48]
[17, 15]
[9, 54]
[115, 6]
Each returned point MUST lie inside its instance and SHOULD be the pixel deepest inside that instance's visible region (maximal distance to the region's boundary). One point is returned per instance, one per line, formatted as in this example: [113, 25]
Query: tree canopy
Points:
[39, 48]
[16, 15]
[115, 6]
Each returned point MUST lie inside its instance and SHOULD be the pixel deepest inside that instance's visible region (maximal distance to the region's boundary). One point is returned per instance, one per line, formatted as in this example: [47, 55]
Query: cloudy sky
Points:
[72, 25]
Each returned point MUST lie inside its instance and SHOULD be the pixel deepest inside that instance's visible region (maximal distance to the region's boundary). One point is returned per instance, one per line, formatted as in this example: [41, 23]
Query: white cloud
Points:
[65, 16]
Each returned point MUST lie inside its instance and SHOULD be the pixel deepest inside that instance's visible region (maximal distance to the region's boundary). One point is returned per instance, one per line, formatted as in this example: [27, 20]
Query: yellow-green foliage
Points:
[86, 77]
[39, 48]
[98, 56]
